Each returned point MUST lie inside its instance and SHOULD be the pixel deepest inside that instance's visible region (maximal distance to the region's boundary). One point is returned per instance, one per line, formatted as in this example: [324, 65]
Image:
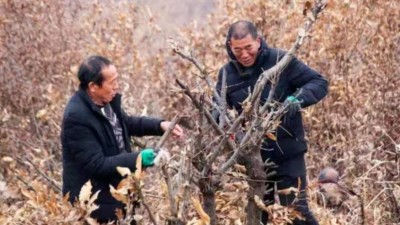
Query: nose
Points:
[245, 55]
[116, 86]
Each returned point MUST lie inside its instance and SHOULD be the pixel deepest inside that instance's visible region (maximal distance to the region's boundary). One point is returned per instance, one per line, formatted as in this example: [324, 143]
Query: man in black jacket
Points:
[298, 83]
[95, 136]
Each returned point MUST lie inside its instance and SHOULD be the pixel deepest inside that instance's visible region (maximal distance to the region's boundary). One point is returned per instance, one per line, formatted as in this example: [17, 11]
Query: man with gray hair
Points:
[298, 84]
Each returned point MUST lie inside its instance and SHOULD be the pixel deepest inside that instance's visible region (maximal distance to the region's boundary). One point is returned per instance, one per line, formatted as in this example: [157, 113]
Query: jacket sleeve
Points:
[313, 86]
[88, 153]
[142, 125]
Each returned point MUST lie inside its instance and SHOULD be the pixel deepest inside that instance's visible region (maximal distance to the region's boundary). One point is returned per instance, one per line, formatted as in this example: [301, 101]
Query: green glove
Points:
[294, 105]
[292, 99]
[148, 157]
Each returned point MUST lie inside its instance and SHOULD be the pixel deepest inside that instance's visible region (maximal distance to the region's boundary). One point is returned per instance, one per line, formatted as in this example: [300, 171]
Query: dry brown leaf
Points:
[240, 168]
[94, 197]
[126, 182]
[238, 222]
[138, 171]
[91, 208]
[91, 221]
[66, 198]
[271, 136]
[204, 218]
[120, 194]
[260, 203]
[27, 194]
[7, 159]
[41, 113]
[124, 171]
[288, 191]
[85, 193]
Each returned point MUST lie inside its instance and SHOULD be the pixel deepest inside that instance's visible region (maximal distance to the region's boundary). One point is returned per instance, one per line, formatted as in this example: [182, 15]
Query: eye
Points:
[113, 82]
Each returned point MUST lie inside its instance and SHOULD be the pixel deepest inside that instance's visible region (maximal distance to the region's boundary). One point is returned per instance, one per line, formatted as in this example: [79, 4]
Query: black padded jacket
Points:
[241, 80]
[90, 150]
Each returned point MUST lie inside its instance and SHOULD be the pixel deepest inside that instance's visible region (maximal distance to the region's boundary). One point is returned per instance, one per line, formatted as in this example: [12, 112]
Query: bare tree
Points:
[248, 129]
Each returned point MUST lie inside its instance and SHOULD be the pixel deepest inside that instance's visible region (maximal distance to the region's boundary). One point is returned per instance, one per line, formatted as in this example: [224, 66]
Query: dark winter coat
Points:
[90, 150]
[290, 134]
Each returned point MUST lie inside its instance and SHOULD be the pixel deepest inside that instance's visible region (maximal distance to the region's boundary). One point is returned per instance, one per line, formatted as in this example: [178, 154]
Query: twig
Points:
[204, 73]
[245, 141]
[199, 148]
[223, 100]
[191, 59]
[213, 156]
[154, 196]
[270, 95]
[141, 196]
[209, 117]
[26, 183]
[196, 63]
[186, 188]
[396, 208]
[164, 168]
[171, 198]
[51, 181]
[164, 137]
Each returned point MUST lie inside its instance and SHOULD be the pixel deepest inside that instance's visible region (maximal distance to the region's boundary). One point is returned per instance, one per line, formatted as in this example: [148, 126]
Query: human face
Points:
[245, 49]
[102, 95]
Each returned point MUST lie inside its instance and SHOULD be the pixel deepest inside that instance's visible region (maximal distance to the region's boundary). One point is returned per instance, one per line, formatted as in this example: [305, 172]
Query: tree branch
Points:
[204, 73]
[167, 176]
[25, 160]
[166, 134]
[207, 114]
[141, 196]
[223, 100]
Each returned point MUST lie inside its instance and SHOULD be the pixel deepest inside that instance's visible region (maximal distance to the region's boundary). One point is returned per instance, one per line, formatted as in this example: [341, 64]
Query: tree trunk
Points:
[208, 191]
[175, 222]
[257, 176]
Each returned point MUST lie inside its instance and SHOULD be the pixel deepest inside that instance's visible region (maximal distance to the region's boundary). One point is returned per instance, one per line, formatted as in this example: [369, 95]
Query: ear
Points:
[92, 87]
[258, 39]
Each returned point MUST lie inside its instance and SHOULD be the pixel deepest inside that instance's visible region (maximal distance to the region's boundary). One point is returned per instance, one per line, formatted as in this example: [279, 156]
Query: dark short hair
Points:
[240, 29]
[90, 70]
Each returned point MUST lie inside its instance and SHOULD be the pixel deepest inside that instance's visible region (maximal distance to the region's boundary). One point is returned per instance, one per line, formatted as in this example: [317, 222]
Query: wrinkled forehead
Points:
[243, 42]
[109, 72]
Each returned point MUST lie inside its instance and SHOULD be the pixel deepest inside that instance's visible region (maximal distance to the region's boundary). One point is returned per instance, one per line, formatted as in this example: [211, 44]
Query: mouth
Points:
[247, 62]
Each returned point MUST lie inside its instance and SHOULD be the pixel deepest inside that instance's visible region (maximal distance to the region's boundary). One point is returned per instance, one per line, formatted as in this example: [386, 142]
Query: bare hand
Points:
[176, 132]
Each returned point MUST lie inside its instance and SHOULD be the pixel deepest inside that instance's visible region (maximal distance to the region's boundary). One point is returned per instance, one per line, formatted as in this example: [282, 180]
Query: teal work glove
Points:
[148, 157]
[293, 105]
